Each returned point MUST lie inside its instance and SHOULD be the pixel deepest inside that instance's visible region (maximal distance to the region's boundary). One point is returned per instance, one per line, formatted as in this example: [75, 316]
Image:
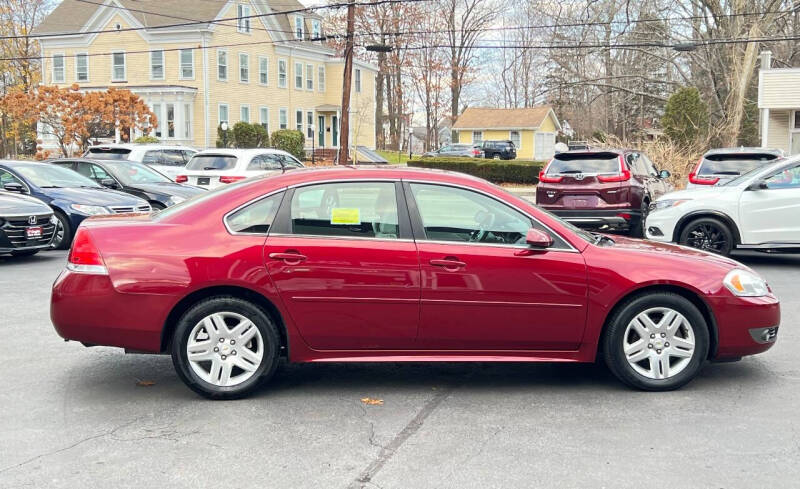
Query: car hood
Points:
[169, 188]
[92, 196]
[672, 251]
[15, 204]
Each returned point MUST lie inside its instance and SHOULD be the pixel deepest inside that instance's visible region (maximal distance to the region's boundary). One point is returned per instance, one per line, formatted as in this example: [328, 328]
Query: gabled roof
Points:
[491, 118]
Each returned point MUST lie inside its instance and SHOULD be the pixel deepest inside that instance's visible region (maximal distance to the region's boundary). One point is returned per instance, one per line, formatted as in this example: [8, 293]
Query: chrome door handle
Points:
[289, 258]
[449, 264]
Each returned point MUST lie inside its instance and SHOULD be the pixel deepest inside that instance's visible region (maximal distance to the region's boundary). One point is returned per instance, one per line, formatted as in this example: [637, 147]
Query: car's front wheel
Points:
[656, 342]
[224, 347]
[708, 234]
[63, 232]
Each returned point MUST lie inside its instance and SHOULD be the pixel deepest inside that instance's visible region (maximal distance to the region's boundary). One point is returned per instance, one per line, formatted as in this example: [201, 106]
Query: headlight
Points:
[176, 200]
[666, 204]
[91, 210]
[745, 284]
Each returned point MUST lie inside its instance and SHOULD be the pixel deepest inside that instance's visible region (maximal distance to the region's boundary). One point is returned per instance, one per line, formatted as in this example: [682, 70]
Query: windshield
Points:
[50, 176]
[133, 173]
[734, 164]
[601, 163]
[108, 153]
[211, 162]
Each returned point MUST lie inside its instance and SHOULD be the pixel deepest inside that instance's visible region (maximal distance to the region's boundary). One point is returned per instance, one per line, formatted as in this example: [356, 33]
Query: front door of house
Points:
[335, 129]
[321, 130]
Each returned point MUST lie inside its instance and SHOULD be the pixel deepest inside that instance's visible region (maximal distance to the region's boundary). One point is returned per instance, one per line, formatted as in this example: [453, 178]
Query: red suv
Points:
[397, 265]
[602, 189]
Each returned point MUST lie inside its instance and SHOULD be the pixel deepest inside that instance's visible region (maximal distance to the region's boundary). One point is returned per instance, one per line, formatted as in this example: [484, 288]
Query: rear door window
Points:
[208, 162]
[733, 164]
[101, 153]
[600, 163]
[172, 157]
[255, 218]
[264, 162]
[152, 157]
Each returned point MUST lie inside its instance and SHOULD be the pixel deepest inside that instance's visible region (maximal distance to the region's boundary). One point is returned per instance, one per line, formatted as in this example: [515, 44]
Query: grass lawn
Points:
[393, 158]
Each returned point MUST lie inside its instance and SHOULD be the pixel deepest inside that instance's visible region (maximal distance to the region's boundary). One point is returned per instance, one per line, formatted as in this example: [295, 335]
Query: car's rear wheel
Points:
[656, 342]
[708, 234]
[638, 228]
[63, 233]
[225, 347]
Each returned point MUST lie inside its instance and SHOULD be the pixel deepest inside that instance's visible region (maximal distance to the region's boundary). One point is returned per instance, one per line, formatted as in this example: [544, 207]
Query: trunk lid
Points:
[586, 180]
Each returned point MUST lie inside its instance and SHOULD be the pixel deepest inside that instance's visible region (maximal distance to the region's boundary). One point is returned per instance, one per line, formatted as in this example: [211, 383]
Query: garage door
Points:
[544, 145]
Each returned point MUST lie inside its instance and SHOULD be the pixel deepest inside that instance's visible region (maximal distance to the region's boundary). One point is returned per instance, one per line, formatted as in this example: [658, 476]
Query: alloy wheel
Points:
[225, 349]
[59, 237]
[707, 237]
[659, 343]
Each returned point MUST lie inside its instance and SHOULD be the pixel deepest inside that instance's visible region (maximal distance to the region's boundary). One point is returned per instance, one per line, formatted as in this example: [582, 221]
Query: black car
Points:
[27, 224]
[499, 150]
[132, 178]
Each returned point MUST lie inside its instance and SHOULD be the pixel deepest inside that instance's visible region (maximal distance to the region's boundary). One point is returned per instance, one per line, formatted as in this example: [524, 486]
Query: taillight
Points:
[84, 257]
[181, 179]
[623, 176]
[545, 179]
[230, 179]
[476, 152]
[701, 180]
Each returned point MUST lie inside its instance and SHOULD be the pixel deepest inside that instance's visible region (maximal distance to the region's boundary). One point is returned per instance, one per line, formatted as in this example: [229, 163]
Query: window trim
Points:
[63, 67]
[285, 83]
[243, 25]
[241, 111]
[240, 67]
[302, 26]
[316, 28]
[473, 136]
[310, 76]
[163, 65]
[517, 146]
[180, 64]
[302, 80]
[261, 121]
[302, 120]
[266, 70]
[283, 110]
[227, 65]
[321, 84]
[357, 80]
[124, 66]
[253, 201]
[77, 57]
[227, 109]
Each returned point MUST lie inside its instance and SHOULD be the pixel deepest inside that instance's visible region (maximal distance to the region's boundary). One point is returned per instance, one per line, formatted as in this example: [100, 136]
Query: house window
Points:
[309, 123]
[264, 117]
[358, 80]
[298, 76]
[515, 138]
[263, 70]
[477, 137]
[118, 71]
[321, 79]
[157, 112]
[187, 64]
[283, 121]
[309, 77]
[82, 67]
[298, 116]
[299, 27]
[187, 121]
[170, 120]
[157, 65]
[244, 67]
[282, 73]
[222, 65]
[245, 114]
[243, 18]
[316, 29]
[223, 113]
[58, 68]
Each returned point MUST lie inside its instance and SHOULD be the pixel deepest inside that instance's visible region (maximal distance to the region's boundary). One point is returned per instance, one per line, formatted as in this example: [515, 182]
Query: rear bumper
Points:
[598, 219]
[746, 325]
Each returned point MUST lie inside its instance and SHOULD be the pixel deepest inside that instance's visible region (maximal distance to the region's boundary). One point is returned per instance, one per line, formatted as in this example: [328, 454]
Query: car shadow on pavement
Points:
[767, 259]
[41, 257]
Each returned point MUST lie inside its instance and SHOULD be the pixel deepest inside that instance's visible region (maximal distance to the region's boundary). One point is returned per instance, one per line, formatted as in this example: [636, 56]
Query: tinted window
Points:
[362, 209]
[6, 177]
[289, 161]
[601, 163]
[172, 157]
[211, 162]
[92, 171]
[152, 157]
[257, 217]
[264, 162]
[733, 164]
[100, 153]
[133, 173]
[454, 214]
[637, 164]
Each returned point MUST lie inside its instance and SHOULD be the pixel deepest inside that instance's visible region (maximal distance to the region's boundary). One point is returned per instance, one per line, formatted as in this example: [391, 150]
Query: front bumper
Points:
[599, 219]
[745, 325]
[660, 225]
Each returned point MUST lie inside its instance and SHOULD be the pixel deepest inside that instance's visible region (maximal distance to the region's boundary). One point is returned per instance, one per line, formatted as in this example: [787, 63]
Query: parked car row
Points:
[496, 150]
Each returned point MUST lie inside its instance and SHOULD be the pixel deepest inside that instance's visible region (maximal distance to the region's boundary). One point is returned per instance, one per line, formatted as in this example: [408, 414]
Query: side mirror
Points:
[538, 239]
[109, 183]
[759, 185]
[664, 174]
[14, 187]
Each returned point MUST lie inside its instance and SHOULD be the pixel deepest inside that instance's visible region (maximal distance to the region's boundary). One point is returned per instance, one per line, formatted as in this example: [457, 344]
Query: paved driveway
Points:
[75, 417]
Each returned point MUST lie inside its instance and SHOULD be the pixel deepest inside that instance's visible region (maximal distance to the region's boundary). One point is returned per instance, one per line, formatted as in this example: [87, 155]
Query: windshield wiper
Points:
[210, 168]
[570, 171]
[49, 186]
[727, 173]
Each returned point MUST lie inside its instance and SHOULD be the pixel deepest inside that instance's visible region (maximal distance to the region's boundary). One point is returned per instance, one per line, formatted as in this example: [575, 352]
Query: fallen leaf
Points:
[372, 402]
[145, 383]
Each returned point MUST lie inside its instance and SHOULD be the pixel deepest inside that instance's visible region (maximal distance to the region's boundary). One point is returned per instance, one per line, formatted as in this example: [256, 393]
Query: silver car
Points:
[456, 150]
[719, 166]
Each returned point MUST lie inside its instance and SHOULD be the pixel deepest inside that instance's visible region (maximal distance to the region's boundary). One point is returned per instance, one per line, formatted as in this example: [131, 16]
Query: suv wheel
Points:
[708, 234]
[656, 342]
[224, 347]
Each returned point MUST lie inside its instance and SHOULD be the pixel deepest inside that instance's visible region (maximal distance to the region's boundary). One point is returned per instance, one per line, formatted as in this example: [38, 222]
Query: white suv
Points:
[215, 167]
[169, 160]
[758, 210]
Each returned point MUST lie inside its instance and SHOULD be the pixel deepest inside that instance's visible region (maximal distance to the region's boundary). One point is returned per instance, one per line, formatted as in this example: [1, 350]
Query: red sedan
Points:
[345, 264]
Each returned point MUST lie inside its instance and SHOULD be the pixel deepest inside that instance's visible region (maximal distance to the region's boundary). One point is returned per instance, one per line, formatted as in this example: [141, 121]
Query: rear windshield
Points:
[583, 163]
[211, 162]
[108, 153]
[734, 164]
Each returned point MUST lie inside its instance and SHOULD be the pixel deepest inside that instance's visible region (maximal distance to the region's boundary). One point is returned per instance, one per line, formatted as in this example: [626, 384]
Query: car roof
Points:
[17, 163]
[93, 160]
[133, 146]
[241, 152]
[744, 149]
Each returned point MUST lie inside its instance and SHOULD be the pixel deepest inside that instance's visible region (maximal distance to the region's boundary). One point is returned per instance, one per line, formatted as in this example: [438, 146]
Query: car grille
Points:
[14, 229]
[129, 209]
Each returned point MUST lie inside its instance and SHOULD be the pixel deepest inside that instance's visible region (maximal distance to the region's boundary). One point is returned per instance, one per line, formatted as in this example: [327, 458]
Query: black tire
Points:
[637, 229]
[269, 334]
[708, 234]
[24, 253]
[66, 241]
[613, 341]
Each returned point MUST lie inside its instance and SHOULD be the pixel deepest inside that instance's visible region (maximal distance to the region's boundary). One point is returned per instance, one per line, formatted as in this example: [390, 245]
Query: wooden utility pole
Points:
[344, 132]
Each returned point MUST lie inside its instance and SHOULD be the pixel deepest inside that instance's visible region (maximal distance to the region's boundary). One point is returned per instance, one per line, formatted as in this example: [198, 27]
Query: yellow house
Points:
[533, 130]
[247, 61]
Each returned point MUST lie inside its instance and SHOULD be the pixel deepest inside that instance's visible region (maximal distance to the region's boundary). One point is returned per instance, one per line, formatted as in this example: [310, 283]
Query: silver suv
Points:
[167, 159]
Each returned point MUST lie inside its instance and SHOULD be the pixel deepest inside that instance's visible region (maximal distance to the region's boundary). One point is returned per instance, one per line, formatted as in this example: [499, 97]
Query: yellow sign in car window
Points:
[346, 216]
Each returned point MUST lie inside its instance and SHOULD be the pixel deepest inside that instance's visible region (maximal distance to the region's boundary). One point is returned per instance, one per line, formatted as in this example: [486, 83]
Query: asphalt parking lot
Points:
[77, 417]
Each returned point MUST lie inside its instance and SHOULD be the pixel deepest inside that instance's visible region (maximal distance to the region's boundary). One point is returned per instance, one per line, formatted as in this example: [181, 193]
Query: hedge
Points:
[497, 171]
[290, 141]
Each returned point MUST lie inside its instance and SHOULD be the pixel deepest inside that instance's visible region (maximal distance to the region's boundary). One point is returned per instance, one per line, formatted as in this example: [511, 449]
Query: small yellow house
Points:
[247, 61]
[533, 130]
[779, 103]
